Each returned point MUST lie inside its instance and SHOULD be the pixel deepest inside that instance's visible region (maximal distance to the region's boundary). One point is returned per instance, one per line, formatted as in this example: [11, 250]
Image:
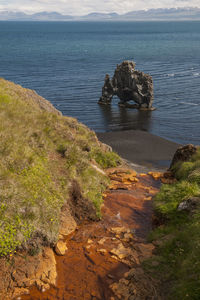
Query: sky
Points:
[82, 7]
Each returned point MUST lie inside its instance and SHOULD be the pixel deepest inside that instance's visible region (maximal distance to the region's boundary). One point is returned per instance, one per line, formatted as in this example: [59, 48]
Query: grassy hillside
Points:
[41, 154]
[177, 261]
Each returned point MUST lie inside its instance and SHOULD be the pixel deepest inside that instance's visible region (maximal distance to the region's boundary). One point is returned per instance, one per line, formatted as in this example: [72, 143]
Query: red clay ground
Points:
[88, 268]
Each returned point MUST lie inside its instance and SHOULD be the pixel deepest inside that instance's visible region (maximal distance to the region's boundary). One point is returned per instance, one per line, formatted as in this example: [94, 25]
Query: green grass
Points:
[41, 152]
[194, 176]
[178, 254]
[182, 170]
[93, 187]
[106, 159]
[170, 196]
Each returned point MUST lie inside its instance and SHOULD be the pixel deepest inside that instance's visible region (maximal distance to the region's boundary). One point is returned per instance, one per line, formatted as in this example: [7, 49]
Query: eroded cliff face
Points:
[51, 179]
[128, 84]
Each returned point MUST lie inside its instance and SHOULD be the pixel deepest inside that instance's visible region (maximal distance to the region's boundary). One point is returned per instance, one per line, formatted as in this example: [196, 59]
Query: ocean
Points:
[66, 63]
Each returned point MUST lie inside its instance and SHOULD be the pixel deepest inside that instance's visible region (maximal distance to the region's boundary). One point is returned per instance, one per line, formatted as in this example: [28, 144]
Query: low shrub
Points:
[183, 170]
[194, 176]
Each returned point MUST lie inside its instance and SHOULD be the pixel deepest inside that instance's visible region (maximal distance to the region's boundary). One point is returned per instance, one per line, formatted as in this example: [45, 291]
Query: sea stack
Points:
[129, 85]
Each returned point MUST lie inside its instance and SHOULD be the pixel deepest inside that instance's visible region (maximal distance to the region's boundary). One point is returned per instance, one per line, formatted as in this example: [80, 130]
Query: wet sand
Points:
[143, 150]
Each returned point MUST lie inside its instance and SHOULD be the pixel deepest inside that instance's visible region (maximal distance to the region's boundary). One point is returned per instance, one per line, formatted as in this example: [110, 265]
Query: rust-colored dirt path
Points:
[99, 253]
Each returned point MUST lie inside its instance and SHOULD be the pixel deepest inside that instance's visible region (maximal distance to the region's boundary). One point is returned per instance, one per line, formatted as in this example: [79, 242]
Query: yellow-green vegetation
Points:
[41, 152]
[178, 236]
[105, 160]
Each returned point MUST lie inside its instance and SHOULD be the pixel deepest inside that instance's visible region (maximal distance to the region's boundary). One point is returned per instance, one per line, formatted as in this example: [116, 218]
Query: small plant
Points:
[62, 149]
[33, 251]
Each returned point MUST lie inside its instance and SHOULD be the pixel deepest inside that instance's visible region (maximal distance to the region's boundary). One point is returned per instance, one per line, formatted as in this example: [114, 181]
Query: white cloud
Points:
[81, 7]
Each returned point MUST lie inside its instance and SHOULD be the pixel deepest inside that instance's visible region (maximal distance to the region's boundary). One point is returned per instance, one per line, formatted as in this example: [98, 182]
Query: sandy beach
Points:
[143, 150]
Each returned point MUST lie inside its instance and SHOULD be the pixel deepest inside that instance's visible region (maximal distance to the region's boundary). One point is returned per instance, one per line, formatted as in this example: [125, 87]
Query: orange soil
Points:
[85, 271]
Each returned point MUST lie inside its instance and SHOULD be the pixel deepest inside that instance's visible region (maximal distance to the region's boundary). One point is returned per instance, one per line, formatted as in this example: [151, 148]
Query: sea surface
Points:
[66, 63]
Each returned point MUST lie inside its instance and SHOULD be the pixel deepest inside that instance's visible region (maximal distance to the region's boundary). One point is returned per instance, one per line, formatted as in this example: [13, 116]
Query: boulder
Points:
[61, 247]
[106, 148]
[128, 84]
[183, 154]
[189, 204]
[121, 252]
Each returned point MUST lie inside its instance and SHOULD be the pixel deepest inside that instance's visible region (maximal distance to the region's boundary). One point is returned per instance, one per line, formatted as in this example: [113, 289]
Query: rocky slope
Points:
[104, 259]
[51, 179]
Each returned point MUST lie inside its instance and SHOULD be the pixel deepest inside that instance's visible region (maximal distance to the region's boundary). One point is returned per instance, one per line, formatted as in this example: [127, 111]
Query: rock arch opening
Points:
[128, 85]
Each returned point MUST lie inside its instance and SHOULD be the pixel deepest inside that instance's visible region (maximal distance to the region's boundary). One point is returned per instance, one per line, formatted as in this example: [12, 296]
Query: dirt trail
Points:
[100, 253]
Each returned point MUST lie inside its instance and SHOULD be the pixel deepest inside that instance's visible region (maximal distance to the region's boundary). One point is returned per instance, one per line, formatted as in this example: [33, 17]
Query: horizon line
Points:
[97, 12]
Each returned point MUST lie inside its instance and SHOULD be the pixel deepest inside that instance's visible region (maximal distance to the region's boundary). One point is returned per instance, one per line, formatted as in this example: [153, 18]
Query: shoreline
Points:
[142, 150]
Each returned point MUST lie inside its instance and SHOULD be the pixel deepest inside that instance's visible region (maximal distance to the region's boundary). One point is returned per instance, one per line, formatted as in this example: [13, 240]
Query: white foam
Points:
[189, 103]
[195, 74]
[171, 75]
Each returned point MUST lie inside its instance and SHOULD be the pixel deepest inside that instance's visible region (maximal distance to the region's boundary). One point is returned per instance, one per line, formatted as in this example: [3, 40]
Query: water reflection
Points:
[120, 118]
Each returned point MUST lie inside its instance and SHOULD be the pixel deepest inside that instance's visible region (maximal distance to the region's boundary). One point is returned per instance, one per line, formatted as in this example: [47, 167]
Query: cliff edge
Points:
[51, 179]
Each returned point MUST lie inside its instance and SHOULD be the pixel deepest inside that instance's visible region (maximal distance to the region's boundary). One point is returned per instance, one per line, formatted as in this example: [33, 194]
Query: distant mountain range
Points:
[161, 14]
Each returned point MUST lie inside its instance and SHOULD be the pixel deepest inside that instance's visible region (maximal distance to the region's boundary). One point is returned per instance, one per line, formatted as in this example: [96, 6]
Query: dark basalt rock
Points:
[189, 204]
[183, 154]
[128, 84]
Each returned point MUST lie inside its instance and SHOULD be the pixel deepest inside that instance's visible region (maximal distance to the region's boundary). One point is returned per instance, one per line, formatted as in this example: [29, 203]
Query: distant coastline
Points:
[160, 14]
